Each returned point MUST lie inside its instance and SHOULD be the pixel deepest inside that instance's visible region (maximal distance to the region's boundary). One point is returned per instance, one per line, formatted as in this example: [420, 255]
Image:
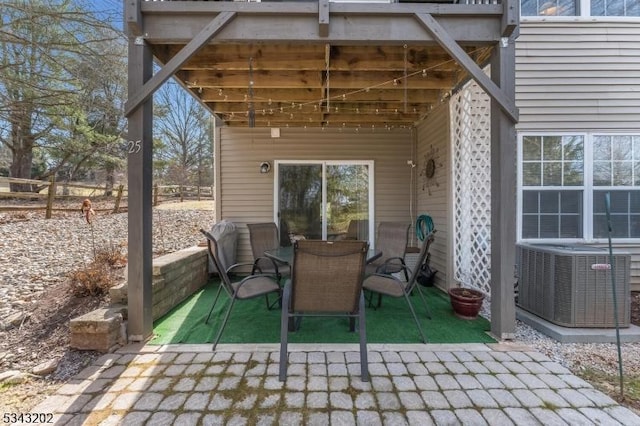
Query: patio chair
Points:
[357, 230]
[249, 287]
[263, 237]
[392, 240]
[326, 281]
[388, 285]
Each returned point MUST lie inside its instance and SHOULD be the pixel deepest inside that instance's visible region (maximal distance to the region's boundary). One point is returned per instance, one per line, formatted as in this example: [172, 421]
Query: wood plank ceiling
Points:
[319, 85]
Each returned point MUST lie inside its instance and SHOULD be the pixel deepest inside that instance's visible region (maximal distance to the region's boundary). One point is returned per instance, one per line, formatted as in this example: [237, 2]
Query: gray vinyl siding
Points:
[433, 139]
[578, 76]
[247, 196]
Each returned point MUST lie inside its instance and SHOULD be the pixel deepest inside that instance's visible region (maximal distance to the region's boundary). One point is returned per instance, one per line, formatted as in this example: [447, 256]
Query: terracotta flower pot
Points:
[466, 302]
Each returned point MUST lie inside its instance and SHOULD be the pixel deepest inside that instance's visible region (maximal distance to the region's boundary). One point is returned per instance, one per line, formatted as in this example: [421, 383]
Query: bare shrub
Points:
[96, 278]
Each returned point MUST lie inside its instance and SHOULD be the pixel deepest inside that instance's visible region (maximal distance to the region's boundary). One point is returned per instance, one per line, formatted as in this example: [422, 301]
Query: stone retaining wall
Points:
[176, 276]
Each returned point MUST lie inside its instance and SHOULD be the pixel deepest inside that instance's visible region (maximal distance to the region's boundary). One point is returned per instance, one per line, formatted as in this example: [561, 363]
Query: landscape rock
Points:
[14, 320]
[9, 375]
[45, 368]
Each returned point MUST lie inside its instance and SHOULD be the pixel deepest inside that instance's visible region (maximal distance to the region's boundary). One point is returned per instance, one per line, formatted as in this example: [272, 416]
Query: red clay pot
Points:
[466, 302]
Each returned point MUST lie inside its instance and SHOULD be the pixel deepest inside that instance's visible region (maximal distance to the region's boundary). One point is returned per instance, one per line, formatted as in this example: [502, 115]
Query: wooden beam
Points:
[219, 95]
[449, 44]
[323, 18]
[235, 57]
[304, 79]
[176, 62]
[511, 18]
[133, 17]
[358, 29]
[308, 8]
[309, 95]
[274, 108]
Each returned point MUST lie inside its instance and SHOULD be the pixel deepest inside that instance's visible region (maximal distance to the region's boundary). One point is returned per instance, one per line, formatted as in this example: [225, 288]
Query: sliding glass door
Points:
[329, 200]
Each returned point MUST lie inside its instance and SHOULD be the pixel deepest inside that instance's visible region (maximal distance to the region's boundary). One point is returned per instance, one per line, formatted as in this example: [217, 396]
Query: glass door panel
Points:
[324, 200]
[347, 206]
[300, 201]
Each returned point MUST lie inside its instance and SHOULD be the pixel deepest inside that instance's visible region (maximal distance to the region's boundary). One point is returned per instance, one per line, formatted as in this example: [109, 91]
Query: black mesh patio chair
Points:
[263, 237]
[252, 286]
[388, 285]
[392, 240]
[326, 280]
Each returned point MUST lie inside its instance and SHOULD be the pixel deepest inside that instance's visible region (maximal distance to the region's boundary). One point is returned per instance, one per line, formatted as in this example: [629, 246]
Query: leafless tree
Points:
[182, 134]
[41, 44]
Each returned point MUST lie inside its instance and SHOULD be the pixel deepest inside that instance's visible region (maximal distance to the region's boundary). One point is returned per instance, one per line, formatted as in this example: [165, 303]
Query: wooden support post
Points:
[51, 194]
[503, 196]
[140, 180]
[118, 198]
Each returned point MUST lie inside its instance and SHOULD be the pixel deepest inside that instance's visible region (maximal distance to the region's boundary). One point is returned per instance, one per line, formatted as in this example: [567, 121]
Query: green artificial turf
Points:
[251, 322]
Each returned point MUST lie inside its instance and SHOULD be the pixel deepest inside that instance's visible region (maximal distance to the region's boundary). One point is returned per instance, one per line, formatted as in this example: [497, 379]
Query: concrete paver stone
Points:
[410, 385]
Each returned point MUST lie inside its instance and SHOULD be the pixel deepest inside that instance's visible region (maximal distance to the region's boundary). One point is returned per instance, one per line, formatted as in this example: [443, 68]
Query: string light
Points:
[325, 101]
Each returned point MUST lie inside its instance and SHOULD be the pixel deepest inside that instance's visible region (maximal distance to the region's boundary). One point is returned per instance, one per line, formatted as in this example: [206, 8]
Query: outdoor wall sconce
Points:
[265, 167]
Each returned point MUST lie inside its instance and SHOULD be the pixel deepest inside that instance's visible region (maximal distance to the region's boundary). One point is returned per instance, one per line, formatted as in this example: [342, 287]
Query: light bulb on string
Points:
[424, 73]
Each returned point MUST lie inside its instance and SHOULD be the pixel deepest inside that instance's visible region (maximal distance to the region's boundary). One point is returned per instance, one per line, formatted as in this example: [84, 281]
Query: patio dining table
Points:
[285, 254]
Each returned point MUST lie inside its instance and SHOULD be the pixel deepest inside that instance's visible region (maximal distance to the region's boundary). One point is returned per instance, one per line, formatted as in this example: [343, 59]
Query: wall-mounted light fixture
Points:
[265, 167]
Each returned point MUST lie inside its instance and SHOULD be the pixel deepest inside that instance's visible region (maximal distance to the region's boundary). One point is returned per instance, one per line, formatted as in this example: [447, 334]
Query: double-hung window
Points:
[584, 8]
[563, 180]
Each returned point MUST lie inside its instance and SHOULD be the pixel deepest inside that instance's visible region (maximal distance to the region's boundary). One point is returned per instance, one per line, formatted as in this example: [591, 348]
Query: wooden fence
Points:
[49, 193]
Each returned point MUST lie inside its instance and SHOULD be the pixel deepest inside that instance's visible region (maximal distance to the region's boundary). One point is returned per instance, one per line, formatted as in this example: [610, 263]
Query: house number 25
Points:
[134, 147]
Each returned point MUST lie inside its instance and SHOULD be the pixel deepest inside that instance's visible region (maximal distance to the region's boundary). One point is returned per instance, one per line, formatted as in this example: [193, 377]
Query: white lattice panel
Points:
[471, 131]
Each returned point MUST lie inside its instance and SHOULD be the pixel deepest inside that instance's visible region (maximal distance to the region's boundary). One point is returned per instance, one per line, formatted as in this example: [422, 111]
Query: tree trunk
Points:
[21, 148]
[110, 177]
[21, 168]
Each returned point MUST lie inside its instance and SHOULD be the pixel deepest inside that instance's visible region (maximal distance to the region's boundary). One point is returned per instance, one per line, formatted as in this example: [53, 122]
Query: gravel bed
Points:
[36, 252]
[577, 356]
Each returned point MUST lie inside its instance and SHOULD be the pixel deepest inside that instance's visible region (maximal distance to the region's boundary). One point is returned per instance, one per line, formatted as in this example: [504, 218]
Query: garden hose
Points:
[424, 225]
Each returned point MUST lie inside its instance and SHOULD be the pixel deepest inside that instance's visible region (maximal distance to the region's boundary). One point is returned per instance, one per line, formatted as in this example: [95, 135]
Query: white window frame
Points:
[587, 188]
[584, 9]
[324, 164]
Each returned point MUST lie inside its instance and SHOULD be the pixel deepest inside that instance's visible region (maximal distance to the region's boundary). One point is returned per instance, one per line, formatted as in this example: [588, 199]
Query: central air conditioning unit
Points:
[570, 285]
